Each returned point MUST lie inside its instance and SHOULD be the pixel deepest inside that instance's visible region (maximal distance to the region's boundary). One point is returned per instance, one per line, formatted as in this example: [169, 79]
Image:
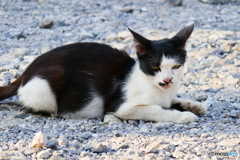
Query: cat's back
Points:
[84, 55]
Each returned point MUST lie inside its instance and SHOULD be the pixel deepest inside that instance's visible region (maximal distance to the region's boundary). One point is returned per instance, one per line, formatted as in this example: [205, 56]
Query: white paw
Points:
[195, 107]
[187, 117]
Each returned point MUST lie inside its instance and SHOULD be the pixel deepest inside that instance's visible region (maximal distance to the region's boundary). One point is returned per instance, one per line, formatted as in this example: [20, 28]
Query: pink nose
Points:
[167, 80]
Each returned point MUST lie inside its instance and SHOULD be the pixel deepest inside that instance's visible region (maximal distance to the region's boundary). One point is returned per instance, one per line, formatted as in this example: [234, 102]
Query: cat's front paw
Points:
[195, 107]
[187, 117]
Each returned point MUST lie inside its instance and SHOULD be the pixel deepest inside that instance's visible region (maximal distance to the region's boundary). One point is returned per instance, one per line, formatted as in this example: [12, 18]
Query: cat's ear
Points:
[179, 40]
[142, 44]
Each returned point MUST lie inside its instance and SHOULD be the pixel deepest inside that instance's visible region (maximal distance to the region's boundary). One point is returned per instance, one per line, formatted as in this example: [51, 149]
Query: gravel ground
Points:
[212, 76]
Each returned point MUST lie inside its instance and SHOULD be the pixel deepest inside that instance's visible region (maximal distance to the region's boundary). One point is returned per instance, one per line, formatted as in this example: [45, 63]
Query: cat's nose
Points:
[167, 80]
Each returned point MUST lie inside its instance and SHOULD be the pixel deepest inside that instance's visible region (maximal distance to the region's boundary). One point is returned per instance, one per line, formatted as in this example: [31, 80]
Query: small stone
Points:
[154, 150]
[75, 144]
[124, 35]
[86, 35]
[123, 146]
[236, 47]
[20, 145]
[52, 144]
[39, 140]
[44, 154]
[63, 140]
[99, 149]
[86, 136]
[84, 153]
[133, 122]
[141, 154]
[225, 120]
[233, 113]
[200, 96]
[230, 142]
[119, 46]
[47, 22]
[31, 150]
[144, 128]
[178, 154]
[175, 2]
[111, 119]
[194, 131]
[112, 37]
[117, 134]
[215, 1]
[205, 135]
[226, 48]
[154, 145]
[127, 9]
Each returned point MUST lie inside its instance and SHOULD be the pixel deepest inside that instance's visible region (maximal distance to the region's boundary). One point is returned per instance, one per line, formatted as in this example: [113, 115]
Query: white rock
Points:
[111, 119]
[85, 35]
[39, 140]
[112, 37]
[230, 142]
[47, 22]
[120, 46]
[44, 154]
[124, 35]
[63, 140]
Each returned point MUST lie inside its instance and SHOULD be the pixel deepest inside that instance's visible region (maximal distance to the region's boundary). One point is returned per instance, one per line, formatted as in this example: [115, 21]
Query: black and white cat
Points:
[89, 80]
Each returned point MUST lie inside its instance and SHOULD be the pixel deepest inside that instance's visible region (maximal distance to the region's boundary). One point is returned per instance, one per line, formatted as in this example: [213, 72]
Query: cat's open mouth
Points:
[165, 85]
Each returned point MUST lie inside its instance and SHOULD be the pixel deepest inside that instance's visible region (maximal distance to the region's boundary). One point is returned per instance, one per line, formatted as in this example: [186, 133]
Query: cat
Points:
[88, 80]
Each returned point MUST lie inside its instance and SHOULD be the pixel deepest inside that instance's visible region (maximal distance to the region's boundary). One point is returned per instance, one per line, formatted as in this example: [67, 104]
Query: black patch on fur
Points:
[77, 70]
[177, 107]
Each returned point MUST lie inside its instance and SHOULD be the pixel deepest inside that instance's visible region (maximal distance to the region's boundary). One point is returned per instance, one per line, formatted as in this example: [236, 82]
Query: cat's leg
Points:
[38, 93]
[153, 113]
[189, 105]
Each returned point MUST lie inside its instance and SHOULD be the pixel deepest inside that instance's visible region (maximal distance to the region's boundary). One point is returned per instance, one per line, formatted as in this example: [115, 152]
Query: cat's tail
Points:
[11, 89]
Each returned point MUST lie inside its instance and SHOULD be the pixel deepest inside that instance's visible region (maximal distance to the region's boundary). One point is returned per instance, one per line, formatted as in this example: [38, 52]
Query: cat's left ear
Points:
[179, 40]
[142, 44]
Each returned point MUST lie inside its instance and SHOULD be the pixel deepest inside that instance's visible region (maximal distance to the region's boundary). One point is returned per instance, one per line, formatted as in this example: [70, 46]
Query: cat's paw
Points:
[195, 107]
[187, 117]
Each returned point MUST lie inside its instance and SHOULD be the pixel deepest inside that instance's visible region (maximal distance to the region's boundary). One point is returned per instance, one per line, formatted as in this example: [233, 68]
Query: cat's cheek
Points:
[177, 74]
[158, 79]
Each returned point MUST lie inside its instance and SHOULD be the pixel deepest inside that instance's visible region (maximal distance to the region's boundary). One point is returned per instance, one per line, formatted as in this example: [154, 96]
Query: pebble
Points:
[175, 2]
[39, 140]
[44, 154]
[99, 149]
[111, 119]
[86, 136]
[47, 22]
[211, 76]
[63, 140]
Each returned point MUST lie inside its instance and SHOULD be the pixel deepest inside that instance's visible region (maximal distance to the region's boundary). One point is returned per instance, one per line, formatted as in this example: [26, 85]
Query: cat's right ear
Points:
[142, 44]
[182, 36]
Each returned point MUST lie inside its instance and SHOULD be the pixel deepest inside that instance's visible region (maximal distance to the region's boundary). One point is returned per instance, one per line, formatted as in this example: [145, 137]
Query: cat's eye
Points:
[154, 67]
[176, 66]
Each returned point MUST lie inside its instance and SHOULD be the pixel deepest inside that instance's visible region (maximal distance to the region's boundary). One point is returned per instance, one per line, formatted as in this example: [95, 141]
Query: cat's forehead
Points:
[163, 46]
[168, 61]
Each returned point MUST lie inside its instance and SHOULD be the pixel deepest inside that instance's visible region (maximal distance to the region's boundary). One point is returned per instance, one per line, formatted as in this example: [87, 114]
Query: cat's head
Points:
[163, 59]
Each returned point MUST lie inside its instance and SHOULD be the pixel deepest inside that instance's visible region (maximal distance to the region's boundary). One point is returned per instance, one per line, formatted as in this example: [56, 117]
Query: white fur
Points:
[145, 99]
[37, 95]
[93, 109]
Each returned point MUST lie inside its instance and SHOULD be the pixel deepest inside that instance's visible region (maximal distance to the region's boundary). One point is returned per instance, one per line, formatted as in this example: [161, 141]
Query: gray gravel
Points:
[31, 27]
